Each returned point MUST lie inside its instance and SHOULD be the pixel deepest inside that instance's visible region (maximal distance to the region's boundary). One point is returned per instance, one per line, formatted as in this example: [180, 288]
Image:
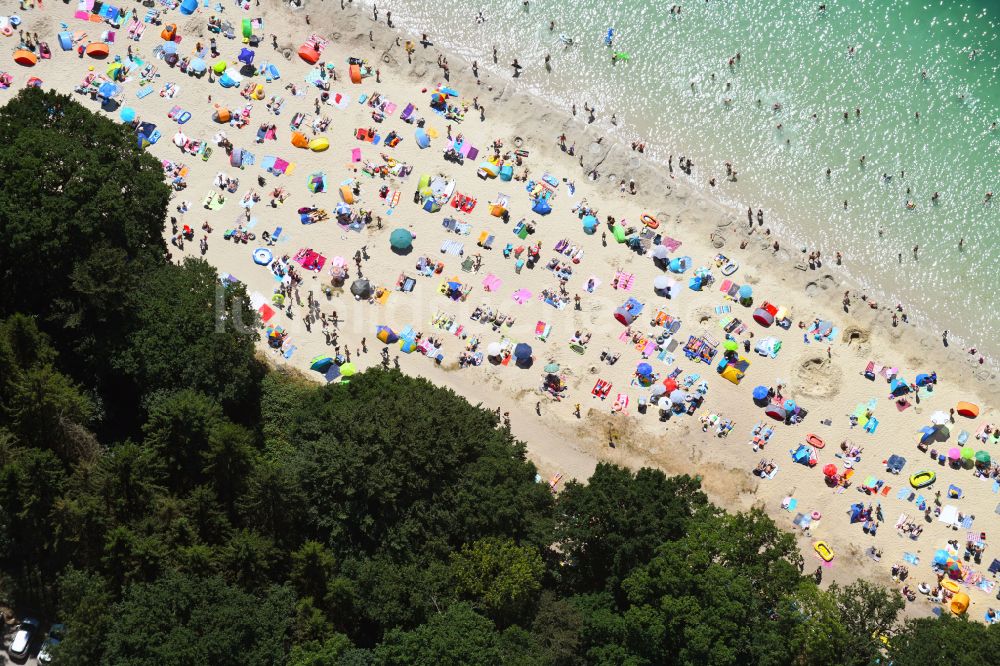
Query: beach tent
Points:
[65, 40]
[899, 386]
[236, 158]
[804, 455]
[401, 239]
[246, 56]
[355, 73]
[188, 7]
[679, 264]
[321, 364]
[229, 80]
[431, 205]
[348, 369]
[628, 311]
[506, 172]
[386, 335]
[247, 29]
[98, 50]
[219, 67]
[222, 116]
[423, 140]
[923, 379]
[776, 412]
[960, 603]
[488, 170]
[618, 231]
[317, 182]
[299, 140]
[407, 346]
[967, 409]
[542, 206]
[319, 144]
[309, 53]
[347, 194]
[763, 317]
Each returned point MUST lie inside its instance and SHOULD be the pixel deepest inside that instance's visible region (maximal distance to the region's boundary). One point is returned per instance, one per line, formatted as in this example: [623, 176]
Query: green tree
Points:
[178, 429]
[190, 334]
[456, 637]
[81, 215]
[316, 653]
[498, 575]
[85, 604]
[180, 620]
[945, 641]
[313, 566]
[617, 520]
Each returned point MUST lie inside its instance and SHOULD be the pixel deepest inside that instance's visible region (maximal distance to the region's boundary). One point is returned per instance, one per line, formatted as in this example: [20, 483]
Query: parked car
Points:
[23, 638]
[56, 633]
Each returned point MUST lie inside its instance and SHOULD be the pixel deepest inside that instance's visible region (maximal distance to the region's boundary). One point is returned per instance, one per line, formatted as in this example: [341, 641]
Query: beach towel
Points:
[521, 296]
[355, 155]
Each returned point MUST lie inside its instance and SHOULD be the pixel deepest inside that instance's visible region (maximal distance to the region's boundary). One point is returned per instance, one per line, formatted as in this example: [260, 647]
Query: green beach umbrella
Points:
[967, 453]
[400, 239]
[219, 67]
[551, 368]
[348, 370]
[730, 345]
[983, 457]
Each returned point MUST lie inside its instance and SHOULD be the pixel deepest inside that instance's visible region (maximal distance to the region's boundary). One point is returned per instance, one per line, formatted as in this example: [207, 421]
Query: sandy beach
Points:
[822, 369]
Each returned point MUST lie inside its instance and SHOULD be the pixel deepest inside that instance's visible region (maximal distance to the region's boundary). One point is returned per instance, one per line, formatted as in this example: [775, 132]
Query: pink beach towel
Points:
[355, 154]
[522, 296]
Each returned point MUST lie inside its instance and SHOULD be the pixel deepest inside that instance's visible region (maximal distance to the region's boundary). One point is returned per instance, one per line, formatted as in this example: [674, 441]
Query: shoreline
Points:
[822, 378]
[851, 276]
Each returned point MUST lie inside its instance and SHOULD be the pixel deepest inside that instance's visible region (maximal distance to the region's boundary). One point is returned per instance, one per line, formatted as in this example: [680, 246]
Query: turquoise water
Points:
[798, 57]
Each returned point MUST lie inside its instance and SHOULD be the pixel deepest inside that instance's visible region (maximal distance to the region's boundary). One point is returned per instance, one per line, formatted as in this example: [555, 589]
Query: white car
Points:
[55, 635]
[23, 637]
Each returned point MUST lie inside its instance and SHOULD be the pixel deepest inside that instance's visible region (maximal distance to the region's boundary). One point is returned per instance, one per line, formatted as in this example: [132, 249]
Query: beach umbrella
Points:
[760, 393]
[180, 139]
[677, 397]
[660, 252]
[830, 470]
[589, 224]
[400, 239]
[968, 453]
[494, 349]
[983, 458]
[551, 368]
[661, 282]
[790, 406]
[522, 351]
[644, 369]
[320, 363]
[348, 369]
[730, 345]
[954, 453]
[197, 66]
[658, 390]
[940, 418]
[746, 291]
[127, 114]
[670, 384]
[361, 288]
[170, 48]
[941, 557]
[219, 67]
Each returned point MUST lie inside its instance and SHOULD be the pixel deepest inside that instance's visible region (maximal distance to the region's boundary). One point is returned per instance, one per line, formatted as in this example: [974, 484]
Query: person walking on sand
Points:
[517, 68]
[576, 410]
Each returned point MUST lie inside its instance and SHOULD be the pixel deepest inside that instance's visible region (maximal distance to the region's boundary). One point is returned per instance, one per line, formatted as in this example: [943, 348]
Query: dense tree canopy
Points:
[173, 503]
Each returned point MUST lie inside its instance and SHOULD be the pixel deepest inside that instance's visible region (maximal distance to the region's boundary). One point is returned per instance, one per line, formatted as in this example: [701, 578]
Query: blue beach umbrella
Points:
[644, 369]
[127, 114]
[198, 65]
[522, 351]
[790, 406]
[746, 291]
[760, 393]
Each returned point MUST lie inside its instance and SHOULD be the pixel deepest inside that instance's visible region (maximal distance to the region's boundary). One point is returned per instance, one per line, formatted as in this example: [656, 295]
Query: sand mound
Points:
[817, 377]
[822, 284]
